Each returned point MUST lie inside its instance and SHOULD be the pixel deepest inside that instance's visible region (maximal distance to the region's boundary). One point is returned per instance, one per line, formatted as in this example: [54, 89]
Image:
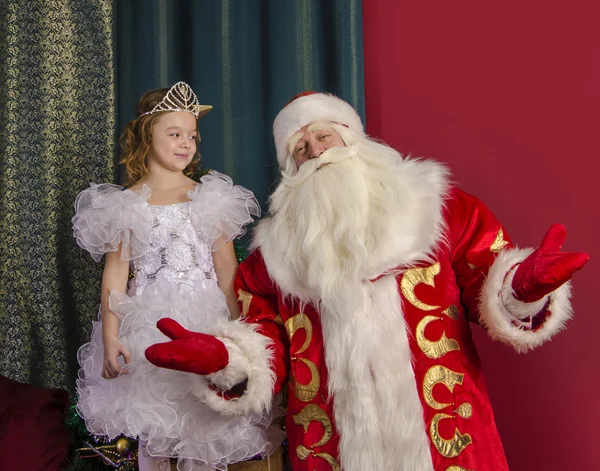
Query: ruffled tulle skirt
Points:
[157, 404]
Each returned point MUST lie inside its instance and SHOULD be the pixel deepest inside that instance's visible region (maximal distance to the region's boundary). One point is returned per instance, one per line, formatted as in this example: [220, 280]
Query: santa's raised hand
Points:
[547, 268]
[191, 352]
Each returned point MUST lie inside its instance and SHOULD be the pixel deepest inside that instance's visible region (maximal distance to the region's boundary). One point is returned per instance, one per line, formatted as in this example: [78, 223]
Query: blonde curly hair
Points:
[136, 139]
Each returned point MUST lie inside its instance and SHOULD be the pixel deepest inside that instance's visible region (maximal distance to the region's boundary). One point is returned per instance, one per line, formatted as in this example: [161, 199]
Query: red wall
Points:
[508, 94]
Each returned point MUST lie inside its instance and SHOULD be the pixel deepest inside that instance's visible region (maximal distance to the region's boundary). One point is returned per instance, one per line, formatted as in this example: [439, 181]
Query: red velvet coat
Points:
[462, 283]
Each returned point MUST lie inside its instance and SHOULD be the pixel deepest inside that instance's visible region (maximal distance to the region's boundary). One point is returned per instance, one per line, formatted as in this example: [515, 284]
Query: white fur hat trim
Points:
[307, 108]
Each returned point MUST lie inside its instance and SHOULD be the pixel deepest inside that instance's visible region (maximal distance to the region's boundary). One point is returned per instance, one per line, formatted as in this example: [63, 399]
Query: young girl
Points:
[177, 236]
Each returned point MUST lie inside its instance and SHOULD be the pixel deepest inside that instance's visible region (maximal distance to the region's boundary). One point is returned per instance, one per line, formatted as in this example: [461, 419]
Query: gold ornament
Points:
[499, 243]
[122, 446]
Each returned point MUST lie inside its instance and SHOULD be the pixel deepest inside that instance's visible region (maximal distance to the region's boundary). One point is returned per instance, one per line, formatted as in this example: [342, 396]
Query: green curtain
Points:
[247, 58]
[57, 133]
[70, 74]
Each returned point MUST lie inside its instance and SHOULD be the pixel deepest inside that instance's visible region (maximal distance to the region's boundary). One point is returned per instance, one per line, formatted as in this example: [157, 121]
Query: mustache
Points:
[308, 168]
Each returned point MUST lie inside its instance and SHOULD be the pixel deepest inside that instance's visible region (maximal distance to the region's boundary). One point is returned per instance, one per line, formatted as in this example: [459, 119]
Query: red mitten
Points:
[546, 268]
[192, 352]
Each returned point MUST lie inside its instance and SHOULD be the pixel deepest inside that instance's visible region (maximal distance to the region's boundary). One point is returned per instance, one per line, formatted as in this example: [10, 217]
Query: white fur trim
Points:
[376, 404]
[519, 309]
[237, 370]
[499, 321]
[307, 109]
[249, 357]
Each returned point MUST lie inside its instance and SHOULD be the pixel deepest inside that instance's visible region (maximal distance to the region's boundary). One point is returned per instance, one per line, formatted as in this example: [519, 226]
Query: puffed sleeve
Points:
[221, 210]
[107, 216]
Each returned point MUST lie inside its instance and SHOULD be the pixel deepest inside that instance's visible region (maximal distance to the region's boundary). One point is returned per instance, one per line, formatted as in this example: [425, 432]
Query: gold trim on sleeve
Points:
[499, 243]
[245, 298]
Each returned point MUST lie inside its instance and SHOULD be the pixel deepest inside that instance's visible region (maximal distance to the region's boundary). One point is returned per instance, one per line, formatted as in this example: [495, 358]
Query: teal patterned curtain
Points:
[70, 74]
[57, 133]
[247, 58]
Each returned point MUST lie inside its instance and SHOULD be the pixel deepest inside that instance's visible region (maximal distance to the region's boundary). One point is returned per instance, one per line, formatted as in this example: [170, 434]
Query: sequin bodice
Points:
[176, 252]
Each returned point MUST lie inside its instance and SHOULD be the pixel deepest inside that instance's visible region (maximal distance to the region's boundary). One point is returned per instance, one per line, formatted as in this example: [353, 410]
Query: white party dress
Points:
[170, 252]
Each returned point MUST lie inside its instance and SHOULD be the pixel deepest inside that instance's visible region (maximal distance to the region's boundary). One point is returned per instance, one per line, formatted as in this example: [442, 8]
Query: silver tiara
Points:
[181, 97]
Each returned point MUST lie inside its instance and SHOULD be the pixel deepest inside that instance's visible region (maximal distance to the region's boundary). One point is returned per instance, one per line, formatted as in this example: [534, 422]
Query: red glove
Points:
[546, 268]
[192, 352]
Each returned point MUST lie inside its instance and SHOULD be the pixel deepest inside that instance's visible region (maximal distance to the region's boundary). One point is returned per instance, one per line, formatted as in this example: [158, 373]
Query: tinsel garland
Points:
[96, 452]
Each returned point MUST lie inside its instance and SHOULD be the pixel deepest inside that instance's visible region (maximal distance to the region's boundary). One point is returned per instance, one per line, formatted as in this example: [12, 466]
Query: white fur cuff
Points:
[237, 370]
[500, 312]
[249, 357]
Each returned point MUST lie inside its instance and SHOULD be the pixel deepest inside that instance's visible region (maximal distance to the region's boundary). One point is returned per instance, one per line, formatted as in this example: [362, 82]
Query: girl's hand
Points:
[113, 348]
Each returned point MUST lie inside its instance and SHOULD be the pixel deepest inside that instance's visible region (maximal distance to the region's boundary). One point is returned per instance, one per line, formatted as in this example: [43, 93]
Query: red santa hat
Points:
[306, 108]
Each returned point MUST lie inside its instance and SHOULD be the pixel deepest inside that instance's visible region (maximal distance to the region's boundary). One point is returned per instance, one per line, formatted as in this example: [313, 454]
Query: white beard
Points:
[351, 214]
[323, 215]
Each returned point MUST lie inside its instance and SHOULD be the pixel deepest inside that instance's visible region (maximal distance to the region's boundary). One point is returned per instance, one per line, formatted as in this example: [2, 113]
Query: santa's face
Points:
[312, 140]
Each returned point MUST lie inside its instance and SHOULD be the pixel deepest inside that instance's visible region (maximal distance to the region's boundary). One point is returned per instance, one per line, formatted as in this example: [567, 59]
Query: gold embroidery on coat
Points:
[304, 392]
[457, 468]
[335, 466]
[311, 413]
[451, 312]
[294, 324]
[499, 243]
[307, 392]
[439, 374]
[465, 410]
[245, 298]
[415, 276]
[448, 448]
[434, 349]
[303, 453]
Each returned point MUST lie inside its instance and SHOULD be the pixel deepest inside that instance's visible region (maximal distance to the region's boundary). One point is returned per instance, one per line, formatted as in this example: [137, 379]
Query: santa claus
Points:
[358, 296]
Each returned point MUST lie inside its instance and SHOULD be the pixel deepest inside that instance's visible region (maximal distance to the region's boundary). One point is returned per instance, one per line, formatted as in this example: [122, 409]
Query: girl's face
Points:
[173, 140]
